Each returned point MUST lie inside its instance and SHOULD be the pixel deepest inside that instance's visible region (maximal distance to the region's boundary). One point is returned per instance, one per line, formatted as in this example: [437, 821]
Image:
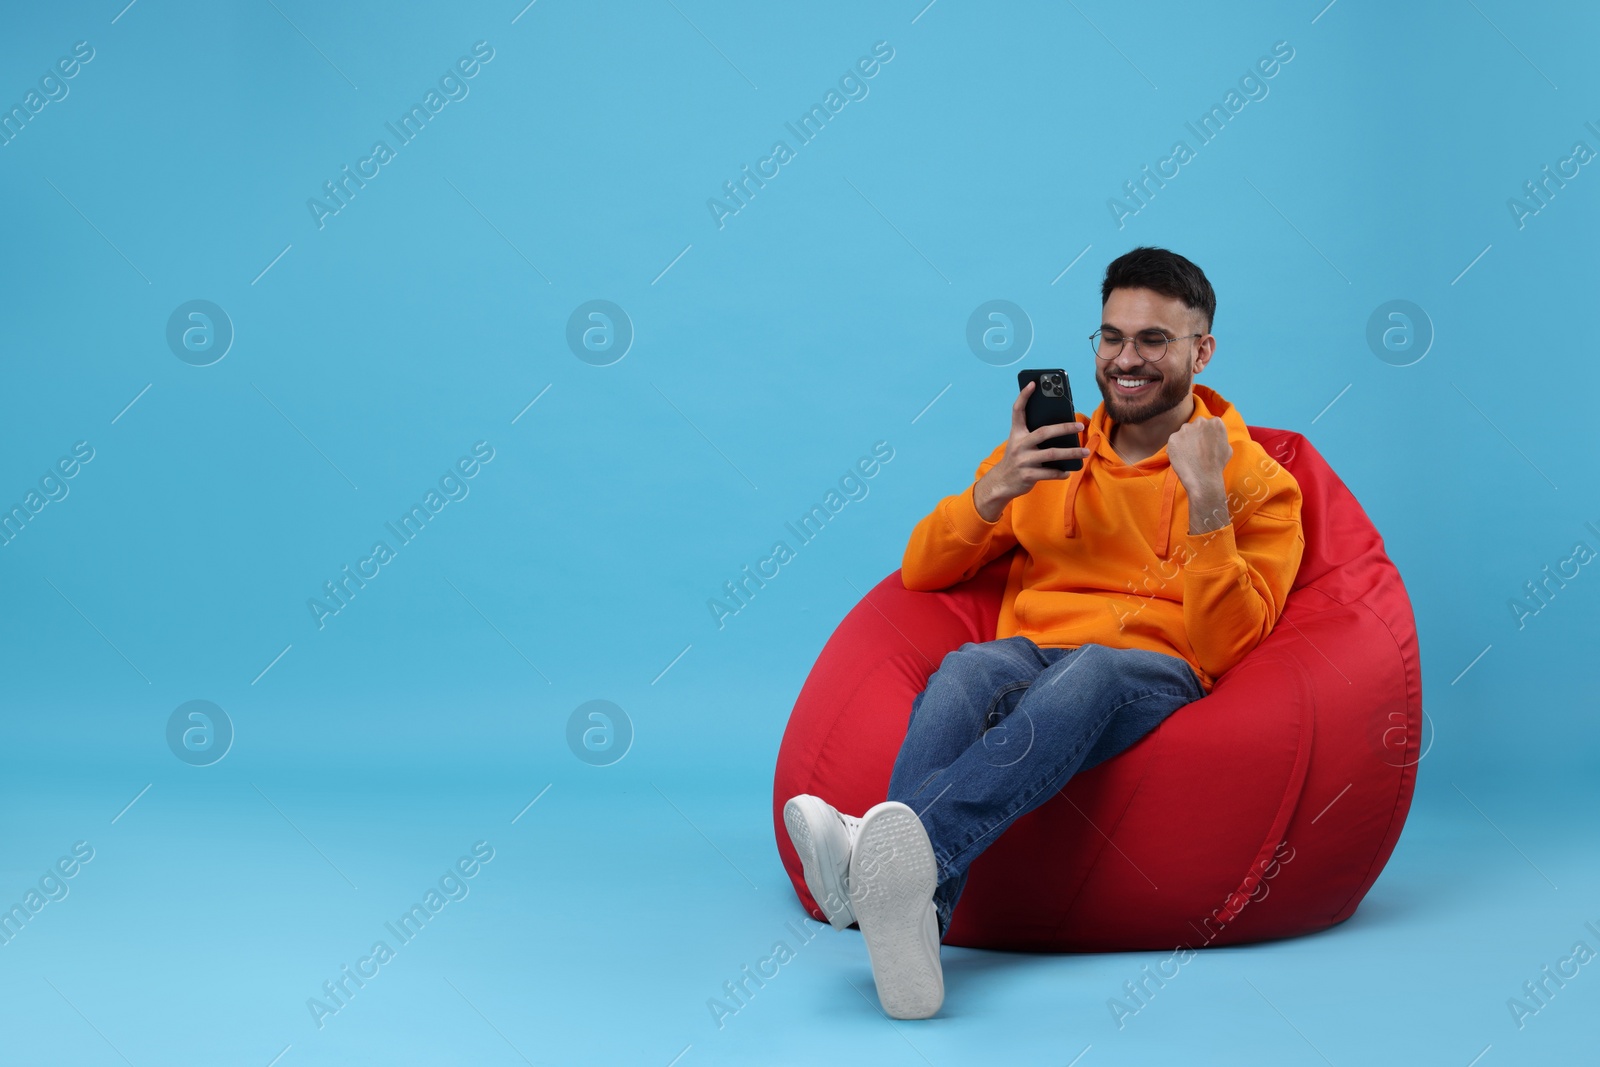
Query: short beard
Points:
[1131, 411]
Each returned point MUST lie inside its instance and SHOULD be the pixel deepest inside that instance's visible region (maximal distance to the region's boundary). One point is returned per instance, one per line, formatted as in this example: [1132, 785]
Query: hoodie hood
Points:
[1103, 461]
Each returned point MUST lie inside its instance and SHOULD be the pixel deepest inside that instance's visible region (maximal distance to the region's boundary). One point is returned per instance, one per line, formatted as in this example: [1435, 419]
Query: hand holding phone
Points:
[1044, 451]
[1049, 403]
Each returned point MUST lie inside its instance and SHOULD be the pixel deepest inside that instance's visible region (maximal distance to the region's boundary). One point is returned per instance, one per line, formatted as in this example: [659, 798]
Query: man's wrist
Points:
[983, 502]
[1208, 510]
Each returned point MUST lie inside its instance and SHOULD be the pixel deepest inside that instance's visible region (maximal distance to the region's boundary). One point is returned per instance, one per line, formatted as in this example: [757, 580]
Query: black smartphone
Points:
[1051, 403]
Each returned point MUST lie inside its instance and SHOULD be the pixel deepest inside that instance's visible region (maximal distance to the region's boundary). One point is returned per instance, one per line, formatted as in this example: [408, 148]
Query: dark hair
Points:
[1163, 272]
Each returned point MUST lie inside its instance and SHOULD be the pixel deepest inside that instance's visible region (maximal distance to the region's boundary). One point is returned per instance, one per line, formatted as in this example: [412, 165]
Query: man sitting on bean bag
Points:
[1146, 575]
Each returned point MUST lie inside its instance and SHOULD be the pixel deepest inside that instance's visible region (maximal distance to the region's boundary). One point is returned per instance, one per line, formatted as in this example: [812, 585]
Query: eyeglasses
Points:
[1108, 346]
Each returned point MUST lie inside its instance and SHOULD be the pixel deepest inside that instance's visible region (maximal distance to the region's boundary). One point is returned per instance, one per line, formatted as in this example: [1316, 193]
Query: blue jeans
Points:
[1003, 725]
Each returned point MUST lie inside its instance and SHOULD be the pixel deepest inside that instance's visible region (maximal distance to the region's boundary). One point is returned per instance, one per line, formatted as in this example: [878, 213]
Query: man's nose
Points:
[1126, 362]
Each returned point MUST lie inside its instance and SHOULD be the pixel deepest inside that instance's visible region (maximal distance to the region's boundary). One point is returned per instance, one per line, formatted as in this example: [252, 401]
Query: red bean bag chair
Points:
[1265, 809]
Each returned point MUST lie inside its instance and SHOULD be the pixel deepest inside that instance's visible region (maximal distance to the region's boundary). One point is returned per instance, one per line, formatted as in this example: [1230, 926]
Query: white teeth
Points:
[1133, 383]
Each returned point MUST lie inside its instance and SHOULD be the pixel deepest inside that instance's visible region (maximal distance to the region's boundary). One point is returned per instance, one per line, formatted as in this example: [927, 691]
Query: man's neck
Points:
[1138, 441]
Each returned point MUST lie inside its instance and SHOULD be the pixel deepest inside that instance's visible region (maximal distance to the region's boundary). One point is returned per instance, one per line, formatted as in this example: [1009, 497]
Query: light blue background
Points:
[769, 355]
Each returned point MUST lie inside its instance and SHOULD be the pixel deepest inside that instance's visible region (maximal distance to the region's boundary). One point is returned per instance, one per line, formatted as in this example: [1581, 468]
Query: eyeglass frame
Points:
[1096, 337]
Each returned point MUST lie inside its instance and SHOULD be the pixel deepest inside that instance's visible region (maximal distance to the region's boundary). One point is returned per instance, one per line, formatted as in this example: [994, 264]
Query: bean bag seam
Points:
[1106, 836]
[860, 679]
[838, 718]
[1299, 773]
[1386, 844]
[808, 782]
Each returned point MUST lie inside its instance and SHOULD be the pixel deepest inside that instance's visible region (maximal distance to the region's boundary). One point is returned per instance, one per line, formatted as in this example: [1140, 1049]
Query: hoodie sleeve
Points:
[953, 542]
[1236, 579]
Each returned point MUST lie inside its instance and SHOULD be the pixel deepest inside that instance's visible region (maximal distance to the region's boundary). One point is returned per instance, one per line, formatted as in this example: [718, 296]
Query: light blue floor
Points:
[615, 908]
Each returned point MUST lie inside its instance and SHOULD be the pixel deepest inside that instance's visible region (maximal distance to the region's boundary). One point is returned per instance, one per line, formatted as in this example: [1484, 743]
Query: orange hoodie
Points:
[1106, 556]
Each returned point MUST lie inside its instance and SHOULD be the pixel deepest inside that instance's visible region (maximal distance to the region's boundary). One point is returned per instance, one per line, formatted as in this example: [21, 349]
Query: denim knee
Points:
[1139, 672]
[980, 659]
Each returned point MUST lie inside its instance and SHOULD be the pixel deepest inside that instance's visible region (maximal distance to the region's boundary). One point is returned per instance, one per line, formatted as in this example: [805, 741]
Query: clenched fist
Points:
[1198, 453]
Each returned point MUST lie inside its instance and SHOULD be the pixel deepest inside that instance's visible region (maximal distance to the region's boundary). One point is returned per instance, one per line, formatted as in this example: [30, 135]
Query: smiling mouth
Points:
[1135, 384]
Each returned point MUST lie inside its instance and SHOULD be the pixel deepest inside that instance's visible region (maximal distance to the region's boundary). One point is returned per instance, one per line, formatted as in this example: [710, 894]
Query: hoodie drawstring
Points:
[1169, 490]
[1072, 495]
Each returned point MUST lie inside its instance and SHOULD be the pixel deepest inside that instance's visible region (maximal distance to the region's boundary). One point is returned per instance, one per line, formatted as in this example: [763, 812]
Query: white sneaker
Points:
[824, 838]
[893, 874]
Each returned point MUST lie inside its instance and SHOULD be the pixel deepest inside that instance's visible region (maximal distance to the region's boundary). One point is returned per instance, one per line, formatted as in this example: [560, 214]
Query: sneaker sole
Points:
[893, 874]
[819, 860]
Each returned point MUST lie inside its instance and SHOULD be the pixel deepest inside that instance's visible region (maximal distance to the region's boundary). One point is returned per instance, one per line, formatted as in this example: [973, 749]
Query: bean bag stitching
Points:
[1156, 737]
[1294, 789]
[809, 780]
[860, 678]
[1402, 792]
[839, 715]
[1413, 687]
